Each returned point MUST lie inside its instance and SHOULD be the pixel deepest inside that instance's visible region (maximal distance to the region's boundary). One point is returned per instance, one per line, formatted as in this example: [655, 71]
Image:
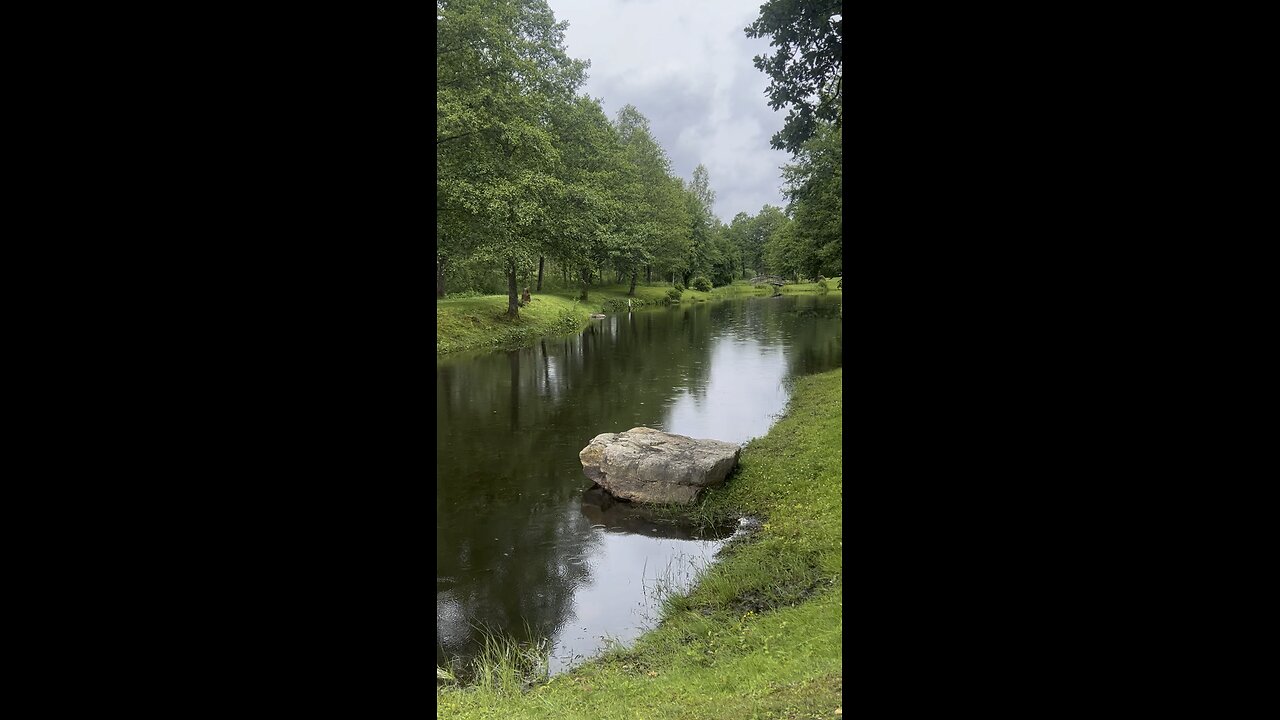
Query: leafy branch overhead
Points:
[805, 67]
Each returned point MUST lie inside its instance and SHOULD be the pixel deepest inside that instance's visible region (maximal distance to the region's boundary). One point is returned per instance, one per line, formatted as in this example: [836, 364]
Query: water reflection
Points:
[516, 546]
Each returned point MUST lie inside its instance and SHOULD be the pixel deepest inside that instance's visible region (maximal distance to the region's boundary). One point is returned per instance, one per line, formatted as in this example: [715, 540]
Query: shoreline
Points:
[479, 323]
[759, 632]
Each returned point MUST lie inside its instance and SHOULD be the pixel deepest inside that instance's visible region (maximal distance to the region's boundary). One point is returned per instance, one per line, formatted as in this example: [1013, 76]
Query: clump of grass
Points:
[503, 667]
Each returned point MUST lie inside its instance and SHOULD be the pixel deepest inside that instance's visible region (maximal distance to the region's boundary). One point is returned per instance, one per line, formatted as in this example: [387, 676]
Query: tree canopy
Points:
[805, 67]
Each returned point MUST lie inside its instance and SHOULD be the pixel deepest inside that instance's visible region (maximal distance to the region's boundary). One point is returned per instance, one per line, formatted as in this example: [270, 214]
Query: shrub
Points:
[679, 286]
[702, 284]
[822, 284]
[673, 295]
[839, 283]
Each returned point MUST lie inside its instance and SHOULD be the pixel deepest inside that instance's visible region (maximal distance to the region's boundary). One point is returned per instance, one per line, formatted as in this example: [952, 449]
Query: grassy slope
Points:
[760, 636]
[476, 323]
[472, 323]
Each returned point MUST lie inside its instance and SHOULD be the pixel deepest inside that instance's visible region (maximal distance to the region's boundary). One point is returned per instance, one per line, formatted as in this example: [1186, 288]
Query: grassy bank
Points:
[654, 295]
[480, 322]
[760, 635]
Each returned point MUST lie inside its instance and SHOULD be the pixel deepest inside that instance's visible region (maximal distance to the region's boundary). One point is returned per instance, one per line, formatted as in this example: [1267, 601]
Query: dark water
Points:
[522, 547]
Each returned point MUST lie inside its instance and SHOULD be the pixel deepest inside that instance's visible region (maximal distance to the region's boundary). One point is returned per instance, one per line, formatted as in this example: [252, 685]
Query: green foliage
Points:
[822, 285]
[652, 224]
[674, 295]
[805, 67]
[680, 286]
[814, 188]
[702, 283]
[783, 251]
[501, 74]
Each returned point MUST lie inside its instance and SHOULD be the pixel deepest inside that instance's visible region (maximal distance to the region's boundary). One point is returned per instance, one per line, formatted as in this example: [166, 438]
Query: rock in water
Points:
[650, 466]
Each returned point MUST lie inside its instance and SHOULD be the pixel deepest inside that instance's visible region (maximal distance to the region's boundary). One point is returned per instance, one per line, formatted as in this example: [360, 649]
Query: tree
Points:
[783, 250]
[653, 226]
[724, 254]
[578, 226]
[805, 69]
[737, 235]
[766, 223]
[814, 189]
[502, 74]
[703, 225]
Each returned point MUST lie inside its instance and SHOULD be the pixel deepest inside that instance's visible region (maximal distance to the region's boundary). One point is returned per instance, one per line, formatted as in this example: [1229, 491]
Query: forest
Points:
[536, 185]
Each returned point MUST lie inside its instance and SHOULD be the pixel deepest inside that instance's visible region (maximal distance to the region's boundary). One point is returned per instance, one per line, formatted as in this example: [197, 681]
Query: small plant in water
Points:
[503, 666]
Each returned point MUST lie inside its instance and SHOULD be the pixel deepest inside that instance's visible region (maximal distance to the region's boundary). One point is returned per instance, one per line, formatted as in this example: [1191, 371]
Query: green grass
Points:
[475, 323]
[811, 287]
[760, 635]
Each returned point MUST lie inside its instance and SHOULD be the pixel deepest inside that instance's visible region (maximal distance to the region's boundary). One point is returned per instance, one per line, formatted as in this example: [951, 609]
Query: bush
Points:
[822, 284]
[674, 295]
[839, 283]
[702, 284]
[679, 286]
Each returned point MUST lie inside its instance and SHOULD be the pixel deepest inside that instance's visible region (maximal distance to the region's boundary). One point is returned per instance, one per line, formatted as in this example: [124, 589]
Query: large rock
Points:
[650, 466]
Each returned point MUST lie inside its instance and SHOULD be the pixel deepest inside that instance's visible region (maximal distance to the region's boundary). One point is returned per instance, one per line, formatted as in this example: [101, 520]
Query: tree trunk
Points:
[632, 291]
[540, 259]
[744, 267]
[513, 297]
[648, 273]
[439, 278]
[586, 280]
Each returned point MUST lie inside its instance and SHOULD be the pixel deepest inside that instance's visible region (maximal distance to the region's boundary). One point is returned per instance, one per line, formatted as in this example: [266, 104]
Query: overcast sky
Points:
[686, 65]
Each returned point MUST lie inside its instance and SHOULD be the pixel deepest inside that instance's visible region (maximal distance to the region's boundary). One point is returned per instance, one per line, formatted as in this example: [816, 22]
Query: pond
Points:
[523, 548]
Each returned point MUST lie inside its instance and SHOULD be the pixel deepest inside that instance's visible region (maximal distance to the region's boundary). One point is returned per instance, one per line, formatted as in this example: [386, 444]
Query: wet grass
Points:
[760, 634]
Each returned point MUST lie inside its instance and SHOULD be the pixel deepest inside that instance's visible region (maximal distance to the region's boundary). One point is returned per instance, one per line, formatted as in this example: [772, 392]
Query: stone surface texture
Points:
[650, 466]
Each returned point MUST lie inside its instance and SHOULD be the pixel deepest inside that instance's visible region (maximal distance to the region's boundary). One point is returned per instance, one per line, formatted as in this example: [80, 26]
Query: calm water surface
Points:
[522, 548]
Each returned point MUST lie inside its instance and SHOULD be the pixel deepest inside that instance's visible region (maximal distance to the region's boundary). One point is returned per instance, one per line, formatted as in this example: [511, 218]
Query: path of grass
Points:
[760, 636]
[481, 323]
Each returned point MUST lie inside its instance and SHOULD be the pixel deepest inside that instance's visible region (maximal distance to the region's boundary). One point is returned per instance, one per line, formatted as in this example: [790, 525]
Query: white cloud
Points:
[686, 65]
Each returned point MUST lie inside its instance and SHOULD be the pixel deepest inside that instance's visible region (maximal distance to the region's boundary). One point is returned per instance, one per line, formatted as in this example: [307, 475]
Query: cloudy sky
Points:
[686, 65]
